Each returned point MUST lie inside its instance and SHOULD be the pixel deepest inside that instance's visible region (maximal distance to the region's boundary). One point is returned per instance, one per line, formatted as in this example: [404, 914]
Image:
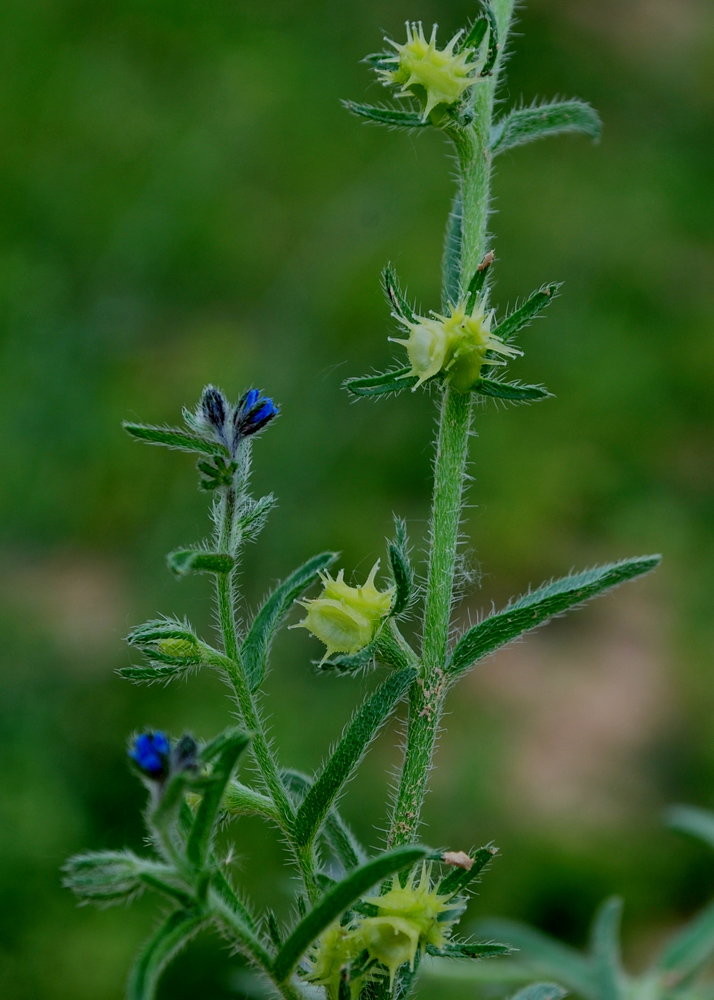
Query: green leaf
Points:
[335, 831]
[350, 663]
[537, 607]
[338, 900]
[150, 673]
[515, 392]
[174, 437]
[691, 948]
[400, 306]
[459, 879]
[698, 823]
[363, 728]
[168, 940]
[541, 955]
[451, 260]
[605, 950]
[492, 50]
[478, 280]
[273, 928]
[527, 124]
[465, 949]
[256, 645]
[475, 36]
[401, 567]
[540, 991]
[522, 316]
[381, 385]
[223, 764]
[387, 116]
[185, 561]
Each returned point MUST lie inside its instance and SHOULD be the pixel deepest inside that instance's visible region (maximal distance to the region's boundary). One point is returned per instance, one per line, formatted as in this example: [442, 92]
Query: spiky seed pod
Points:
[456, 345]
[408, 918]
[435, 76]
[346, 618]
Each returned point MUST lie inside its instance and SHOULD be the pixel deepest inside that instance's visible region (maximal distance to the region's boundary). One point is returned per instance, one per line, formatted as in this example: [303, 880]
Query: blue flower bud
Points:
[252, 414]
[151, 752]
[215, 409]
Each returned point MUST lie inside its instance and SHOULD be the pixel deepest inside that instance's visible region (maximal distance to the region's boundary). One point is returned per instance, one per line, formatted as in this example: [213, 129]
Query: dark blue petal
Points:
[251, 398]
[151, 753]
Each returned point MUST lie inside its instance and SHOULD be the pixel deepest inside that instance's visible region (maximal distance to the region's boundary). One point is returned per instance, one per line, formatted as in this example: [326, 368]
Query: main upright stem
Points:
[427, 696]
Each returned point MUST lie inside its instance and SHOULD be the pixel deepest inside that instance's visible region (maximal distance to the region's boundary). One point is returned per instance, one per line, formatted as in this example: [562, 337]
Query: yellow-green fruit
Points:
[347, 618]
[441, 75]
[455, 345]
[392, 941]
[420, 905]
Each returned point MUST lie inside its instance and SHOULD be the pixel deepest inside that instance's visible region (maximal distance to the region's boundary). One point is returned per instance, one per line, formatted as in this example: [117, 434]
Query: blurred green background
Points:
[184, 200]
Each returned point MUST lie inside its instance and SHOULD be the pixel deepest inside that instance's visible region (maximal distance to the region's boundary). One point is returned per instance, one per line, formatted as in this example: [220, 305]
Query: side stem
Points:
[251, 717]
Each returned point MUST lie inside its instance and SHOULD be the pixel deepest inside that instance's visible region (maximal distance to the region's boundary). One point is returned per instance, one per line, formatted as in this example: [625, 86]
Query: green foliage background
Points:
[184, 200]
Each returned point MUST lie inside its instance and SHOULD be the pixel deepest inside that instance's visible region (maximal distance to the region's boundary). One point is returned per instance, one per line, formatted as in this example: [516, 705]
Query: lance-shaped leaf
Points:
[540, 991]
[386, 116]
[492, 50]
[605, 950]
[401, 567]
[363, 728]
[690, 949]
[698, 823]
[396, 298]
[381, 385]
[223, 764]
[474, 36]
[256, 645]
[514, 392]
[542, 956]
[473, 292]
[522, 316]
[469, 949]
[338, 835]
[537, 607]
[350, 663]
[169, 939]
[459, 879]
[185, 561]
[526, 124]
[174, 437]
[150, 673]
[451, 260]
[338, 900]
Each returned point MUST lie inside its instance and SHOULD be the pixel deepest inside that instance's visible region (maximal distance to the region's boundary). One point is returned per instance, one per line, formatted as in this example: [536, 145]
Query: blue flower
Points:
[251, 415]
[151, 752]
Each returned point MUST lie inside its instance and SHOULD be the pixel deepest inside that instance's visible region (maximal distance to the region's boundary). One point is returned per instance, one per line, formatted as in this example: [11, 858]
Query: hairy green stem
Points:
[260, 746]
[427, 696]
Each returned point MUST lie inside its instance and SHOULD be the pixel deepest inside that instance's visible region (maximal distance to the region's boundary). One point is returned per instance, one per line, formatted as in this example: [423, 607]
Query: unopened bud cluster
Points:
[229, 425]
